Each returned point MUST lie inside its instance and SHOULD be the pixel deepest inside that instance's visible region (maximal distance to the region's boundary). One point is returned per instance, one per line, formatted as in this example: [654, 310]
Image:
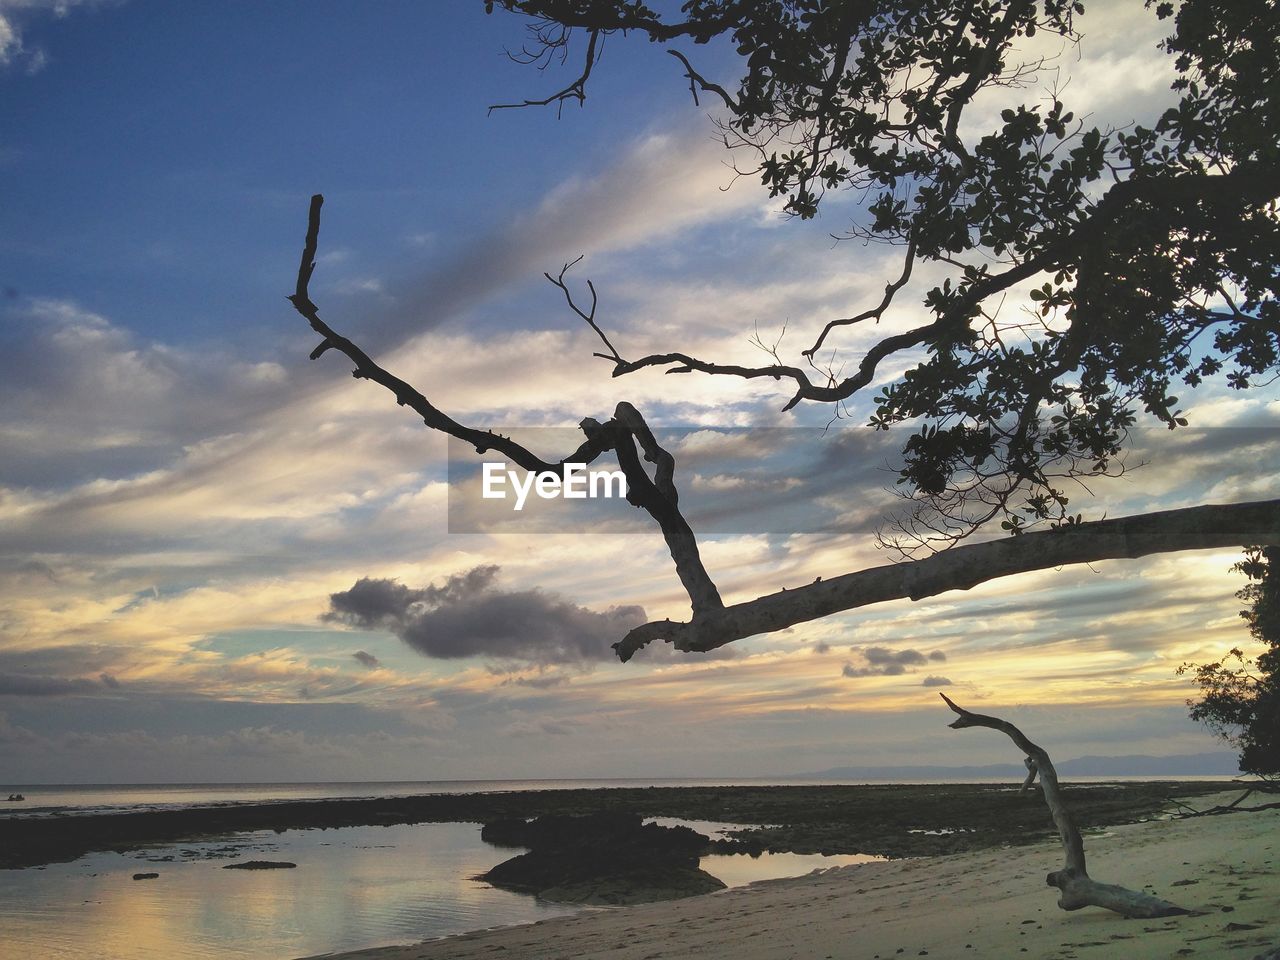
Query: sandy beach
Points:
[990, 904]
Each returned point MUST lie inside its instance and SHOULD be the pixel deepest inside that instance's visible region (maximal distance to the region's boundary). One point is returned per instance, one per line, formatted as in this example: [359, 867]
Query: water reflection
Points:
[354, 887]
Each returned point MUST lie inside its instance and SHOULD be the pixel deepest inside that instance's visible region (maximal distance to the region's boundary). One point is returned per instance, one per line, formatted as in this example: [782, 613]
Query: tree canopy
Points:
[1148, 253]
[1240, 695]
[1154, 247]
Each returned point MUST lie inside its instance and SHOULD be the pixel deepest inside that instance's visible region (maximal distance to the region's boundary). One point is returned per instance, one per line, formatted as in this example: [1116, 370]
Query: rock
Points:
[509, 832]
[145, 876]
[605, 858]
[260, 865]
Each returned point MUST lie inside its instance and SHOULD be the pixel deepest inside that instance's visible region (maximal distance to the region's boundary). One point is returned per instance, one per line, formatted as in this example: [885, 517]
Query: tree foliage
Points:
[1240, 695]
[1153, 248]
[1146, 257]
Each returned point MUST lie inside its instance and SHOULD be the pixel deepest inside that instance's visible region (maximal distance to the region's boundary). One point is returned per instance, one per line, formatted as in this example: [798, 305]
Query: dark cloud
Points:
[372, 604]
[935, 682]
[467, 616]
[368, 659]
[25, 685]
[883, 656]
[822, 647]
[883, 662]
[109, 680]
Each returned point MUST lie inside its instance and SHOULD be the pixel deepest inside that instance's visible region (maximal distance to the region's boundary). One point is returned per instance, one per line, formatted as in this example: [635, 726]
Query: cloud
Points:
[883, 662]
[367, 659]
[883, 656]
[932, 681]
[542, 728]
[85, 398]
[652, 187]
[20, 685]
[109, 680]
[14, 51]
[467, 616]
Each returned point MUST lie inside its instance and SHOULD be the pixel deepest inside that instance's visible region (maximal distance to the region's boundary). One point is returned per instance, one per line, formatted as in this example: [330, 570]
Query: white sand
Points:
[992, 905]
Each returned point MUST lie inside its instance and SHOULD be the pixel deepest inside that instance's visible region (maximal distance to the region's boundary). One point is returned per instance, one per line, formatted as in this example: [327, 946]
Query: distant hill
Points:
[1217, 764]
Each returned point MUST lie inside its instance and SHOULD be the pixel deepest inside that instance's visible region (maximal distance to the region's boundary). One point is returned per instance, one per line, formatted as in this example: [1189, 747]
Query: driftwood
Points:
[1233, 806]
[1078, 888]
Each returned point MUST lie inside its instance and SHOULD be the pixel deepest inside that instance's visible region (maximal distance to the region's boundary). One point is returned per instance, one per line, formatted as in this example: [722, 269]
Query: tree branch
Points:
[698, 82]
[657, 495]
[1192, 528]
[876, 312]
[587, 315]
[574, 91]
[1248, 184]
[1078, 888]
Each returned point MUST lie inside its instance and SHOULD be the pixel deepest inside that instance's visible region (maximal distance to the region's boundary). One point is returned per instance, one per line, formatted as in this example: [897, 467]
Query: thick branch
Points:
[1078, 888]
[658, 497]
[1192, 528]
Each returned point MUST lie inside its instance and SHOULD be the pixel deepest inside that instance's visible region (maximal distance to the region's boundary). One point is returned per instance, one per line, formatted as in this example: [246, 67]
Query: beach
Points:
[989, 904]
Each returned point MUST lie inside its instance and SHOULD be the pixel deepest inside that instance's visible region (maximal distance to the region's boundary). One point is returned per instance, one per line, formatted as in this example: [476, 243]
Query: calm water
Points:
[43, 799]
[353, 887]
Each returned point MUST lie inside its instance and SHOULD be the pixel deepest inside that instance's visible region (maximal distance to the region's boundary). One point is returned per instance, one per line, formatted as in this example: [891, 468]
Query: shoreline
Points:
[989, 903]
[889, 820]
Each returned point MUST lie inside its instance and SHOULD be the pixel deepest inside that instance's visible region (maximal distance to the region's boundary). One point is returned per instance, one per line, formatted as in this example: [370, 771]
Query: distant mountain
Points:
[1217, 764]
[1191, 764]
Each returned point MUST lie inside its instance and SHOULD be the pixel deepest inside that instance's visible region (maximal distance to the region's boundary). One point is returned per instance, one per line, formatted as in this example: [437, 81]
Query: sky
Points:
[222, 561]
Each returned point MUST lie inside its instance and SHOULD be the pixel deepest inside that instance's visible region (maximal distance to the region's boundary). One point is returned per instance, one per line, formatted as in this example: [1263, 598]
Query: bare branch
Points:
[875, 313]
[698, 82]
[1078, 888]
[656, 495]
[574, 91]
[1248, 181]
[588, 315]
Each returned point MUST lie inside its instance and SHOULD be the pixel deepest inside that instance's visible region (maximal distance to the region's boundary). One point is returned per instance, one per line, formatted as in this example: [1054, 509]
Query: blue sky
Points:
[181, 490]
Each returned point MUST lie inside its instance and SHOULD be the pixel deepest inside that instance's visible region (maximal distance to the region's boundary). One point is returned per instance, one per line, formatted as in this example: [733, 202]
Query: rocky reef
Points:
[599, 859]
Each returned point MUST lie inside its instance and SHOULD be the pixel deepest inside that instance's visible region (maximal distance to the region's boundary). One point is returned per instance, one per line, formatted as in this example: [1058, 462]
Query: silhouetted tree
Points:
[1151, 252]
[1240, 695]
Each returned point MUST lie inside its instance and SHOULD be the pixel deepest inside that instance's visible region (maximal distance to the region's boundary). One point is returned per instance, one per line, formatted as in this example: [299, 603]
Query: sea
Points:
[353, 887]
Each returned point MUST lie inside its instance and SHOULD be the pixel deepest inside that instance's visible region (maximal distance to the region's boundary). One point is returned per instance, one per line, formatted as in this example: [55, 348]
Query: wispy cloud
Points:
[14, 15]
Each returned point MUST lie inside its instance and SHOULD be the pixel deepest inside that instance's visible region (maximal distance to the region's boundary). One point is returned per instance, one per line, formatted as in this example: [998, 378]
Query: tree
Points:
[1149, 254]
[1241, 703]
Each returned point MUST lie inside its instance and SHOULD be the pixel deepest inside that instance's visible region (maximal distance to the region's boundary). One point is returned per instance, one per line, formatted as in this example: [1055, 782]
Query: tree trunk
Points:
[1078, 888]
[1192, 528]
